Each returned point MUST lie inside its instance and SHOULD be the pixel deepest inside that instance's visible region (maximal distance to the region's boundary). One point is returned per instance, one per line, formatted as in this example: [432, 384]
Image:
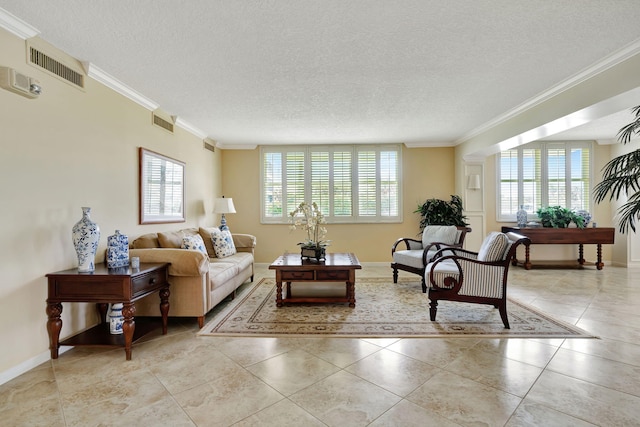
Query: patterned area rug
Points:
[383, 309]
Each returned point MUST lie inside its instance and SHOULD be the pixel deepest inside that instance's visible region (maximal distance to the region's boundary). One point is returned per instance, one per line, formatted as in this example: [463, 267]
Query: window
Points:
[544, 174]
[161, 188]
[350, 183]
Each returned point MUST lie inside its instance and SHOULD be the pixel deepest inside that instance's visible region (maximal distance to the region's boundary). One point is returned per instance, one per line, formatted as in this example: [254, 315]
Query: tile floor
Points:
[184, 380]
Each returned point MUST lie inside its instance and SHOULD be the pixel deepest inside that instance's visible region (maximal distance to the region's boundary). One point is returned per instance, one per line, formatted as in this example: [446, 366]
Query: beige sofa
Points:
[198, 282]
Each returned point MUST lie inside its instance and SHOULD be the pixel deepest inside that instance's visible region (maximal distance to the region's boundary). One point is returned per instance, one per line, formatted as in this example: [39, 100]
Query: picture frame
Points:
[162, 183]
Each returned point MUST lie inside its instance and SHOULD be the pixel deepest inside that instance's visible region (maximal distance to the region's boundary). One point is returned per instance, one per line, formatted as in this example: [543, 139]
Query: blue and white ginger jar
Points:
[86, 235]
[116, 319]
[117, 250]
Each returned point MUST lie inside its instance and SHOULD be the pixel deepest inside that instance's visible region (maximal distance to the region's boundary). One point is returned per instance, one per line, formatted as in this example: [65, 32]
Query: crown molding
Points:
[428, 144]
[115, 84]
[608, 62]
[224, 146]
[190, 128]
[17, 26]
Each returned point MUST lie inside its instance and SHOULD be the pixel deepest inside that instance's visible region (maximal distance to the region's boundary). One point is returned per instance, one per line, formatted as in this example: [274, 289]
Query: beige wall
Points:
[61, 151]
[427, 173]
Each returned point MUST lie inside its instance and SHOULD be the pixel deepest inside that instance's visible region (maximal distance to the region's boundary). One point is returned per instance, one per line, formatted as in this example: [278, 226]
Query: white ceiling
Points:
[423, 72]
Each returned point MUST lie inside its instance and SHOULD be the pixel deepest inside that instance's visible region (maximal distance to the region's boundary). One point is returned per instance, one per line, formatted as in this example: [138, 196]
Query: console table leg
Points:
[102, 308]
[128, 327]
[527, 262]
[599, 264]
[164, 308]
[581, 254]
[54, 325]
[279, 293]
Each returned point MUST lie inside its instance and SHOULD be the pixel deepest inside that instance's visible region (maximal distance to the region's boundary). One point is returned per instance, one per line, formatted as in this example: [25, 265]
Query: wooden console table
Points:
[337, 267]
[104, 286]
[565, 236]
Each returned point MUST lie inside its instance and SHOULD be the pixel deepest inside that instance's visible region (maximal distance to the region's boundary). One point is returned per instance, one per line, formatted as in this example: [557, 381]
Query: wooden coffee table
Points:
[337, 267]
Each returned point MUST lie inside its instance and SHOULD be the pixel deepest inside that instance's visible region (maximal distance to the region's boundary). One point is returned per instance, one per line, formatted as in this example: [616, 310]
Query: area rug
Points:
[383, 309]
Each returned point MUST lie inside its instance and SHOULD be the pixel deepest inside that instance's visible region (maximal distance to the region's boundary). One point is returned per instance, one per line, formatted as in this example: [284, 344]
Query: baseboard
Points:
[28, 365]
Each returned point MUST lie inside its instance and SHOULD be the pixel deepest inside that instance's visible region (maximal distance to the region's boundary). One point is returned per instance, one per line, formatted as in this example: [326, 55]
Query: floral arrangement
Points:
[311, 221]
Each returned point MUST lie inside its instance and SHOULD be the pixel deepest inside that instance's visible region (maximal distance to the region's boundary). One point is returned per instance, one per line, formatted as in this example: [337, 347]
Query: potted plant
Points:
[621, 177]
[442, 212]
[311, 221]
[559, 217]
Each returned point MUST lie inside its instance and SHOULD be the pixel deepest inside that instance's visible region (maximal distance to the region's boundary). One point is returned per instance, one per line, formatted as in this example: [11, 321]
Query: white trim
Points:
[29, 364]
[224, 146]
[115, 84]
[17, 26]
[608, 62]
[190, 128]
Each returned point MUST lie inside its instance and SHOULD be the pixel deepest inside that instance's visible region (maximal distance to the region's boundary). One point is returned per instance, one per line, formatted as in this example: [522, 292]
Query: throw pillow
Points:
[493, 247]
[194, 242]
[173, 239]
[207, 236]
[223, 243]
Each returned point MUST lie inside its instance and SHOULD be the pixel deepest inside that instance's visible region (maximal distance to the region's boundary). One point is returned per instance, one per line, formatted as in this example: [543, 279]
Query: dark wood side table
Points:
[566, 236]
[337, 267]
[104, 286]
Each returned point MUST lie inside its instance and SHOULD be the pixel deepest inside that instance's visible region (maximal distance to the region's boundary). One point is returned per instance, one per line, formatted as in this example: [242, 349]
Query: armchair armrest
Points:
[183, 262]
[409, 244]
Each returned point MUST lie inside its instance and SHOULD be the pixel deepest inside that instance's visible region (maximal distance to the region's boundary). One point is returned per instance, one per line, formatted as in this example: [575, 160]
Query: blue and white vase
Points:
[586, 215]
[86, 235]
[116, 319]
[521, 217]
[117, 250]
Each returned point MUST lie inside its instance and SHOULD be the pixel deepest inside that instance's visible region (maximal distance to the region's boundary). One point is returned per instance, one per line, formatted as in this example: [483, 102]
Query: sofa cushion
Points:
[493, 247]
[146, 241]
[206, 234]
[194, 242]
[223, 243]
[173, 239]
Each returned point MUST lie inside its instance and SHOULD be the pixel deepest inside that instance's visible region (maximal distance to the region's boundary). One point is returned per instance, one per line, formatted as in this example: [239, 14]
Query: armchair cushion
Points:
[493, 247]
[439, 234]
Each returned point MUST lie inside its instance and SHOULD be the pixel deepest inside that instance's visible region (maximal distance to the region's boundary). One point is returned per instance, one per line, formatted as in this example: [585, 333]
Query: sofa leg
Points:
[201, 322]
[252, 277]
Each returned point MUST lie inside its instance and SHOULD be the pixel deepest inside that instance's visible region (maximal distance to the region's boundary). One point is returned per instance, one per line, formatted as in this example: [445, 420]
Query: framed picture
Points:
[161, 188]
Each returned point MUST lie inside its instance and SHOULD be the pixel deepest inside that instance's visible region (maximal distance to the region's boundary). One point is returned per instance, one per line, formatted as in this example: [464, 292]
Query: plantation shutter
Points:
[367, 183]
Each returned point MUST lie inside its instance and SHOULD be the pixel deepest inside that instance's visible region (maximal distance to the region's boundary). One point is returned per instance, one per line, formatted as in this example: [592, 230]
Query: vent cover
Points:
[163, 123]
[55, 67]
[208, 146]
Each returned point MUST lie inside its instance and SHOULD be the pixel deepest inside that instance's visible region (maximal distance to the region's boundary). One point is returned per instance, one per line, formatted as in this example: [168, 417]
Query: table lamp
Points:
[224, 206]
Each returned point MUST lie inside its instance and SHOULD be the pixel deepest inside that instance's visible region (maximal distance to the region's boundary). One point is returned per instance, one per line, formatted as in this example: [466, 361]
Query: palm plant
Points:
[621, 176]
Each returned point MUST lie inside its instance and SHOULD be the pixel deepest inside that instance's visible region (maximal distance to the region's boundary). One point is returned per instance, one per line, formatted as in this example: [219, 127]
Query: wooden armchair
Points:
[476, 277]
[416, 254]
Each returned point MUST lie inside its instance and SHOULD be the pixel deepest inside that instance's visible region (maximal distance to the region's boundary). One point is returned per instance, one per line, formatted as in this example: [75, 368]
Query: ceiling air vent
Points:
[42, 60]
[162, 122]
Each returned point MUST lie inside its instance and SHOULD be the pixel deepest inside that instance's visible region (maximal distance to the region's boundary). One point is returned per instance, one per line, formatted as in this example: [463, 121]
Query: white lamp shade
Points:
[224, 205]
[473, 182]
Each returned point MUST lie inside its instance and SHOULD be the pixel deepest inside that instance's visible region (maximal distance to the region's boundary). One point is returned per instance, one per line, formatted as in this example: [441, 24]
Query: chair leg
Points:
[424, 286]
[503, 315]
[395, 275]
[433, 309]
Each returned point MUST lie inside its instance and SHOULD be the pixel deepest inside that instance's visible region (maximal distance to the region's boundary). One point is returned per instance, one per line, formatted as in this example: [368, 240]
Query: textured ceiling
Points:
[299, 71]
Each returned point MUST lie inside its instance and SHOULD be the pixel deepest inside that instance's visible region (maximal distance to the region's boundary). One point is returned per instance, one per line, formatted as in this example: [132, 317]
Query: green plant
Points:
[621, 177]
[312, 221]
[559, 217]
[441, 212]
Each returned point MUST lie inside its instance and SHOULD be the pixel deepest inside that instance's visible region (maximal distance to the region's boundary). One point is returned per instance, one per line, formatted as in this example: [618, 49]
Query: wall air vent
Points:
[207, 144]
[55, 67]
[162, 122]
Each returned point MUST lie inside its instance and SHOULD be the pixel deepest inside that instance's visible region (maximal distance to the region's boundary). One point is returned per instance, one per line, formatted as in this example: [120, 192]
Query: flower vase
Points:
[116, 319]
[521, 217]
[86, 235]
[117, 250]
[317, 253]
